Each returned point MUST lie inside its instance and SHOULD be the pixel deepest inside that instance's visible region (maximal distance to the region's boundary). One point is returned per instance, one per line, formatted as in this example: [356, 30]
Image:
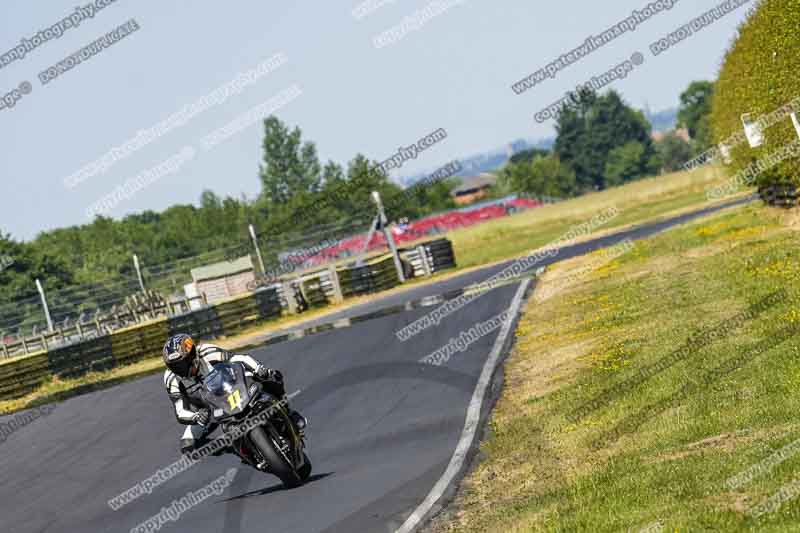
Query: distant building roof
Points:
[682, 133]
[473, 183]
[222, 269]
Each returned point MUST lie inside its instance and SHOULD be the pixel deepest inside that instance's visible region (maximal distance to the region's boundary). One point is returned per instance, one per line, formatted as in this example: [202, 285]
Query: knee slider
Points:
[187, 445]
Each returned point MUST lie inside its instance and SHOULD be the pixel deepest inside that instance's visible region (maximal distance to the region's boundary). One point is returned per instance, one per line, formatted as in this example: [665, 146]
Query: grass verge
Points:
[659, 451]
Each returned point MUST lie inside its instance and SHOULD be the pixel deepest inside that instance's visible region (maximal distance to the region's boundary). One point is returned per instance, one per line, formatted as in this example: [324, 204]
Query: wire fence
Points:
[82, 303]
[344, 241]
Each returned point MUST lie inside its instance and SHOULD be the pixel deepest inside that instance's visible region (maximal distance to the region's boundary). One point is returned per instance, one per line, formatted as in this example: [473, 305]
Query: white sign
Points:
[796, 123]
[755, 136]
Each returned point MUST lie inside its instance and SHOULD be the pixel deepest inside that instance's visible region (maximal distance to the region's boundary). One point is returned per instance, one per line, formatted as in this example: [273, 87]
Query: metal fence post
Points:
[376, 197]
[138, 271]
[44, 305]
[258, 250]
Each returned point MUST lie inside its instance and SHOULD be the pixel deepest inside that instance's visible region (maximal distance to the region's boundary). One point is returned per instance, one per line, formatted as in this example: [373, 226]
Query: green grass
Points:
[685, 430]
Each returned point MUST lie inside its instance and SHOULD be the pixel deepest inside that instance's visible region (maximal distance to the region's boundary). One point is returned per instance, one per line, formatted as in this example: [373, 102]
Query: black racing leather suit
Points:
[184, 392]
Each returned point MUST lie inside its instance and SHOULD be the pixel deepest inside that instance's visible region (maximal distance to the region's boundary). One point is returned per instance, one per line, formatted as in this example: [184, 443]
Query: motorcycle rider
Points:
[187, 364]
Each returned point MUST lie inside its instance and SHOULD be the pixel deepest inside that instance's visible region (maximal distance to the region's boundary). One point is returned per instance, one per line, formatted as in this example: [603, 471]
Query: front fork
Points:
[286, 448]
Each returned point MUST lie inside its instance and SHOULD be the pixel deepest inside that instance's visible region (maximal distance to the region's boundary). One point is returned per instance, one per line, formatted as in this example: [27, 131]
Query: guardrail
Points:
[77, 351]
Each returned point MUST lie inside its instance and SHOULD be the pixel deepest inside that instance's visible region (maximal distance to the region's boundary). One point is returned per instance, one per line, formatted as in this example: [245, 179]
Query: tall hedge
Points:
[761, 73]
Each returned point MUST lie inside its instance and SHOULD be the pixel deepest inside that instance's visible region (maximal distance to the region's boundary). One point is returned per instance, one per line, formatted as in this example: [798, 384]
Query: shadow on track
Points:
[275, 488]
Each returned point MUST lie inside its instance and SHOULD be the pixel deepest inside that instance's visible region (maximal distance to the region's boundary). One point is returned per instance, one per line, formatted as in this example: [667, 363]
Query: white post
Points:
[288, 293]
[376, 197]
[258, 251]
[44, 305]
[423, 257]
[138, 271]
[753, 131]
[337, 288]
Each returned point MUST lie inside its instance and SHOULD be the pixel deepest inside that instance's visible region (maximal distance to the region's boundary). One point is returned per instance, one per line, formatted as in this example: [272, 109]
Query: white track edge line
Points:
[471, 422]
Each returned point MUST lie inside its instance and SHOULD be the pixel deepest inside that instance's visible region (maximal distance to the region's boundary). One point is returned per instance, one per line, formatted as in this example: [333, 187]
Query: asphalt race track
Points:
[383, 429]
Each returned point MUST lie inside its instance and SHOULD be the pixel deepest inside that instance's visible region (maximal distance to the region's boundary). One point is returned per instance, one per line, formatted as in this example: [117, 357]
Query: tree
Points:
[528, 155]
[544, 176]
[674, 152]
[695, 106]
[289, 166]
[432, 198]
[595, 126]
[572, 140]
[625, 163]
[705, 136]
[210, 201]
[363, 177]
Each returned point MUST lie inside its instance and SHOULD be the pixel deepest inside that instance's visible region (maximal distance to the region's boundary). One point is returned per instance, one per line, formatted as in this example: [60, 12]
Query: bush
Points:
[758, 76]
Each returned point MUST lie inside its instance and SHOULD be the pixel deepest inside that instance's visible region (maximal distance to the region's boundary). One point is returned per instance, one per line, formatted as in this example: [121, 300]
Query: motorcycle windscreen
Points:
[225, 389]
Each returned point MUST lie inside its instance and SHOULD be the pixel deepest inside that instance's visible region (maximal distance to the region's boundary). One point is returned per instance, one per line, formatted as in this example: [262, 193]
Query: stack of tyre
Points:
[440, 255]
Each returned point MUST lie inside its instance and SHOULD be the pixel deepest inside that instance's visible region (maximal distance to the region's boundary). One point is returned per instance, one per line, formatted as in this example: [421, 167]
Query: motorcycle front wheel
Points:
[277, 462]
[305, 471]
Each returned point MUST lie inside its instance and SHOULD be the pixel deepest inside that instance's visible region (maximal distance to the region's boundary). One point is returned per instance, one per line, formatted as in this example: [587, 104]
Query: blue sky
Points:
[454, 72]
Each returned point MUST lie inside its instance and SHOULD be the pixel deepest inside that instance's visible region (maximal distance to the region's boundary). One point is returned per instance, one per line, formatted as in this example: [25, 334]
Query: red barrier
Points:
[424, 227]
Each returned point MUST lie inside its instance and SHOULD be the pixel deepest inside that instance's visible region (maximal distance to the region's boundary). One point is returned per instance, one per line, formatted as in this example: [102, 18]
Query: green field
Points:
[659, 450]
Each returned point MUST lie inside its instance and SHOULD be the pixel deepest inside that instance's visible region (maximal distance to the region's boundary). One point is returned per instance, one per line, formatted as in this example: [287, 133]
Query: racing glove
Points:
[269, 374]
[202, 417]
